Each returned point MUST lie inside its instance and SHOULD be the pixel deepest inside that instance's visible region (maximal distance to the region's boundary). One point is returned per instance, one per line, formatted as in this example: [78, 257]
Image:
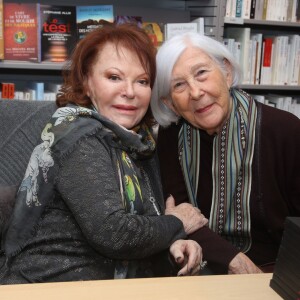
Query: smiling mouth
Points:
[204, 109]
[125, 107]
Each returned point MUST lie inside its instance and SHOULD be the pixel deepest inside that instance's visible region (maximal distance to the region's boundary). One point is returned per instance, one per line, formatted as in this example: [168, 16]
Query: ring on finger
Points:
[203, 264]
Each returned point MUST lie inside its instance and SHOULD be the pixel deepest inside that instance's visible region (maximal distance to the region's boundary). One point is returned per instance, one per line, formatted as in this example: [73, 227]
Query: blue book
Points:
[38, 87]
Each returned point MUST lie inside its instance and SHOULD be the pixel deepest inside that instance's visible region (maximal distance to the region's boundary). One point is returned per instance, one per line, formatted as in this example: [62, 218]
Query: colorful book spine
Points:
[58, 32]
[7, 90]
[1, 31]
[21, 32]
[154, 30]
[89, 18]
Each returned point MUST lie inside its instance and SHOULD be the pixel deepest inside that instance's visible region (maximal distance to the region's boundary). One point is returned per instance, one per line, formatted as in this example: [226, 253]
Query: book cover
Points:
[90, 17]
[58, 32]
[129, 19]
[21, 32]
[154, 30]
[1, 31]
[172, 29]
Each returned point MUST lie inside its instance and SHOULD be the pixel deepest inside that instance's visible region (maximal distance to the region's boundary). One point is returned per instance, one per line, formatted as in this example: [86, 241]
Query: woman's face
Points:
[119, 86]
[200, 91]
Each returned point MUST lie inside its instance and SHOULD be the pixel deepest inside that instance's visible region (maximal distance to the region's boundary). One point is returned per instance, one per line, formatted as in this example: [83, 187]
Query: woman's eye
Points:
[200, 72]
[114, 77]
[178, 85]
[144, 82]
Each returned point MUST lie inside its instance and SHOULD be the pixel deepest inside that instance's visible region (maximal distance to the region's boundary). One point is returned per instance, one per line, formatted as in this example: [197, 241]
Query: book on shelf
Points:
[246, 9]
[7, 90]
[242, 35]
[21, 32]
[233, 8]
[138, 20]
[238, 9]
[90, 17]
[294, 59]
[252, 9]
[38, 88]
[257, 38]
[266, 68]
[200, 23]
[1, 31]
[172, 29]
[155, 32]
[58, 32]
[259, 6]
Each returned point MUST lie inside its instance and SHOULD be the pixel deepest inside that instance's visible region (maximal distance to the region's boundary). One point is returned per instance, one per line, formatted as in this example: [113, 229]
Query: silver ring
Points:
[203, 264]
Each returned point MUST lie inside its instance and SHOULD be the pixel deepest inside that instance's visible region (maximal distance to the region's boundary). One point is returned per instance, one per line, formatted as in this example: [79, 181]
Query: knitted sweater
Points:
[84, 230]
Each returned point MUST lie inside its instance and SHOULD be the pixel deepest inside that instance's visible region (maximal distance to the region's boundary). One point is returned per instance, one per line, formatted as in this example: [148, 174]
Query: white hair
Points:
[167, 56]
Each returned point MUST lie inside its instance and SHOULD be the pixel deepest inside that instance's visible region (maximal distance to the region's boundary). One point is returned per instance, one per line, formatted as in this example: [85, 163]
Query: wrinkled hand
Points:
[242, 264]
[189, 215]
[188, 255]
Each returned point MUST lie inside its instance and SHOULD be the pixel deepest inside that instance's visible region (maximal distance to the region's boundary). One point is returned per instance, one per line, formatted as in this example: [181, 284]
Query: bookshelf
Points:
[162, 11]
[280, 85]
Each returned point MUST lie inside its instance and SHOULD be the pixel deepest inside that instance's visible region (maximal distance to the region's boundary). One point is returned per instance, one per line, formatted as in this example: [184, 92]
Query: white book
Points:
[237, 51]
[259, 7]
[251, 61]
[241, 35]
[228, 8]
[258, 38]
[293, 11]
[277, 100]
[259, 98]
[200, 23]
[295, 72]
[287, 103]
[172, 29]
[246, 9]
[283, 78]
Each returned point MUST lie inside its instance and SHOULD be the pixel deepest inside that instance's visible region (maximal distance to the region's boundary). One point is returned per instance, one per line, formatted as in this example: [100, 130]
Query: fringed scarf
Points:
[233, 150]
[66, 128]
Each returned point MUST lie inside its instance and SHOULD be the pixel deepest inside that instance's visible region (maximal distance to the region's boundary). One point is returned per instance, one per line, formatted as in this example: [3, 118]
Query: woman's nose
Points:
[195, 90]
[128, 90]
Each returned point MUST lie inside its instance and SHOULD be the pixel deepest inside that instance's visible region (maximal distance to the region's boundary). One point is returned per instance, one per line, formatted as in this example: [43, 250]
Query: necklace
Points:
[151, 198]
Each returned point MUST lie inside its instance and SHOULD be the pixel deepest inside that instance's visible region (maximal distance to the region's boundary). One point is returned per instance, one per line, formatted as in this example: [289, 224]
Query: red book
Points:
[267, 52]
[21, 31]
[4, 90]
[11, 91]
[1, 31]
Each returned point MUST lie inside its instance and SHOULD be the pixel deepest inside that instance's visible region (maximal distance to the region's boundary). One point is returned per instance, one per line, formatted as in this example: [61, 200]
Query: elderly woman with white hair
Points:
[235, 159]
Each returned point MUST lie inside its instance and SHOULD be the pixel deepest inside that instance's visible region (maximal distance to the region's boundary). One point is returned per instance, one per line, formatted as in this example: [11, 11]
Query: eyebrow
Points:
[193, 69]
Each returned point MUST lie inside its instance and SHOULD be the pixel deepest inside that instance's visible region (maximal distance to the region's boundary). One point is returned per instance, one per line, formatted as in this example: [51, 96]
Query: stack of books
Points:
[286, 276]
